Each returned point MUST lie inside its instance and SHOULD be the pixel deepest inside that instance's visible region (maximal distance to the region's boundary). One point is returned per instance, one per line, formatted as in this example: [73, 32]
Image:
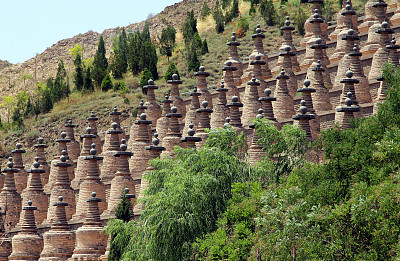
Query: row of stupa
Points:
[57, 210]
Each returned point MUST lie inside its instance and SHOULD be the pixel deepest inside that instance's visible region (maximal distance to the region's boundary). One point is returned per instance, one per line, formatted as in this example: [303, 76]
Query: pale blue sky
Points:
[30, 26]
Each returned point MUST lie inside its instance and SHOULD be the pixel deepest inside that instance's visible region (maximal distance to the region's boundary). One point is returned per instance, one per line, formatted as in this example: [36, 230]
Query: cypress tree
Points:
[189, 28]
[194, 63]
[170, 71]
[146, 76]
[252, 9]
[268, 11]
[205, 11]
[219, 20]
[204, 47]
[167, 41]
[87, 81]
[100, 63]
[78, 76]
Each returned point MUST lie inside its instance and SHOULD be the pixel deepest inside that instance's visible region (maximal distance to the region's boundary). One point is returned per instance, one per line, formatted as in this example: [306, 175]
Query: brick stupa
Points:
[110, 163]
[91, 182]
[266, 106]
[343, 21]
[74, 147]
[308, 25]
[228, 70]
[134, 128]
[115, 117]
[62, 187]
[321, 97]
[162, 123]
[82, 165]
[381, 56]
[234, 59]
[220, 111]
[154, 152]
[91, 241]
[138, 162]
[62, 146]
[348, 110]
[374, 37]
[257, 73]
[204, 123]
[350, 39]
[257, 50]
[92, 121]
[251, 103]
[370, 16]
[307, 92]
[287, 40]
[173, 137]
[192, 115]
[176, 98]
[344, 37]
[393, 50]
[189, 142]
[5, 246]
[34, 192]
[41, 154]
[202, 84]
[21, 177]
[255, 151]
[27, 244]
[121, 180]
[10, 199]
[348, 87]
[382, 93]
[315, 44]
[303, 119]
[234, 115]
[153, 111]
[287, 55]
[283, 107]
[59, 241]
[318, 57]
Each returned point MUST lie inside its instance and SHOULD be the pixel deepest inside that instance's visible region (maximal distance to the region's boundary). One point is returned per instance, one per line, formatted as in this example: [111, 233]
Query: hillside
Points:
[44, 65]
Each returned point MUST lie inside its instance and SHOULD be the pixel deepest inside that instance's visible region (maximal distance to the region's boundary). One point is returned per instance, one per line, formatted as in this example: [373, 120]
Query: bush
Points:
[106, 84]
[170, 71]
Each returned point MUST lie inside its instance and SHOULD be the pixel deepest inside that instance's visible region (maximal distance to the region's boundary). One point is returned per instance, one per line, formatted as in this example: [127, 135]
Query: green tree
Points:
[146, 76]
[87, 81]
[252, 9]
[184, 199]
[170, 71]
[167, 41]
[118, 59]
[106, 84]
[268, 11]
[300, 18]
[219, 20]
[100, 63]
[194, 63]
[204, 47]
[189, 28]
[205, 10]
[78, 76]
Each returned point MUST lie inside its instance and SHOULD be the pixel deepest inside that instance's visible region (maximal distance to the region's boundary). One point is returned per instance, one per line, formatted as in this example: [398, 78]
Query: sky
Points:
[29, 27]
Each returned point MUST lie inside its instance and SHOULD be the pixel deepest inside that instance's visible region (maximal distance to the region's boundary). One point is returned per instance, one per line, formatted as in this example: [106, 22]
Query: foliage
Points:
[234, 237]
[77, 49]
[286, 147]
[100, 63]
[78, 76]
[184, 199]
[219, 20]
[87, 81]
[167, 41]
[189, 28]
[268, 11]
[204, 47]
[243, 24]
[300, 18]
[146, 76]
[170, 71]
[142, 52]
[194, 63]
[106, 84]
[205, 10]
[118, 59]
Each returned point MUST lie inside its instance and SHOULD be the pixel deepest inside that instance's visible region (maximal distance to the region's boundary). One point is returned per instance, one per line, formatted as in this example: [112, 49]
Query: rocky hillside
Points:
[44, 65]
